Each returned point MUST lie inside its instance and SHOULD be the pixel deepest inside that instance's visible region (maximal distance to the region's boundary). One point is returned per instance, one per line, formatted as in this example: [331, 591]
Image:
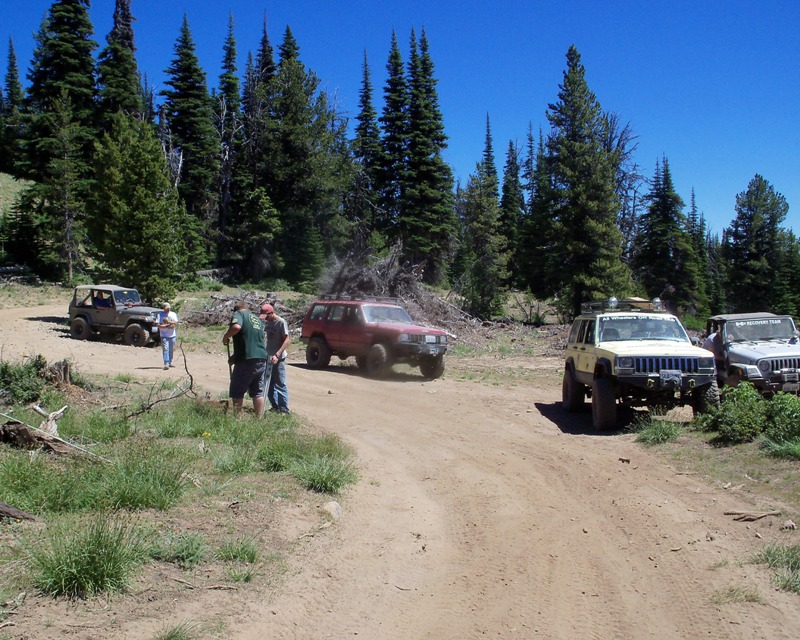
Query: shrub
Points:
[22, 383]
[741, 417]
[783, 418]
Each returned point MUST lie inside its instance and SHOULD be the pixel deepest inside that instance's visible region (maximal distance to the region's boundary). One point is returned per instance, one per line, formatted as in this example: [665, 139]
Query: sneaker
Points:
[171, 366]
[166, 367]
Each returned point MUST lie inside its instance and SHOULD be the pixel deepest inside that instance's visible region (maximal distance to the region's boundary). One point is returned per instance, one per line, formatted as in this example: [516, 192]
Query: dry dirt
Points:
[482, 511]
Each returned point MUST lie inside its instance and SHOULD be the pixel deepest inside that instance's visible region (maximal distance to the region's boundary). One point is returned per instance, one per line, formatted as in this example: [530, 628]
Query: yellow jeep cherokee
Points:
[636, 354]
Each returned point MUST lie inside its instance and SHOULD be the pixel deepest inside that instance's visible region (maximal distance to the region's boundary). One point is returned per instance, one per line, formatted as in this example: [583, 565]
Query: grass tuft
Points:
[186, 550]
[242, 549]
[184, 631]
[785, 561]
[84, 556]
[324, 474]
[737, 595]
[652, 431]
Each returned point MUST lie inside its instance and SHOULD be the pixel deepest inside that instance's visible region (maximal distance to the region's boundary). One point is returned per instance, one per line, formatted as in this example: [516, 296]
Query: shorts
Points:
[248, 376]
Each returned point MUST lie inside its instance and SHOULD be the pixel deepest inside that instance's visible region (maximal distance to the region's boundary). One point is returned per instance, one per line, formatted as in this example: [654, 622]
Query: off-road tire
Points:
[135, 335]
[80, 329]
[604, 405]
[318, 353]
[432, 367]
[573, 393]
[705, 399]
[378, 364]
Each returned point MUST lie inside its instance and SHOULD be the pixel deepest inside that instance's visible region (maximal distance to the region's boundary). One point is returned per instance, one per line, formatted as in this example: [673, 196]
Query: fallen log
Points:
[7, 511]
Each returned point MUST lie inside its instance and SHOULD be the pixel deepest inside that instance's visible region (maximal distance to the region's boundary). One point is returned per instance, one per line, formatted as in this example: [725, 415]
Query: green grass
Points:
[323, 474]
[184, 631]
[77, 557]
[186, 550]
[242, 549]
[654, 430]
[785, 562]
[737, 595]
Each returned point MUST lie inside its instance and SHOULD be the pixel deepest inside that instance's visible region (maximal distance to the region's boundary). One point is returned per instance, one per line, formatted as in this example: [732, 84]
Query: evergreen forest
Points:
[257, 172]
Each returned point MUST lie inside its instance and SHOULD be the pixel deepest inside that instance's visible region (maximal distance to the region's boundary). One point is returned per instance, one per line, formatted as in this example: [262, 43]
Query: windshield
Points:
[129, 297]
[641, 327]
[760, 329]
[382, 313]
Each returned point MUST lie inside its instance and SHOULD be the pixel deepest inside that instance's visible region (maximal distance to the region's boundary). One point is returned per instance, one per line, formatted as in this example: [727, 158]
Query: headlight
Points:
[751, 371]
[764, 365]
[706, 363]
[625, 362]
[404, 337]
[430, 339]
[443, 339]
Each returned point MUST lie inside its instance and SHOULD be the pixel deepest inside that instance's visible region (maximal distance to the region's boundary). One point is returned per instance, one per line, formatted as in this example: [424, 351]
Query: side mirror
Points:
[696, 341]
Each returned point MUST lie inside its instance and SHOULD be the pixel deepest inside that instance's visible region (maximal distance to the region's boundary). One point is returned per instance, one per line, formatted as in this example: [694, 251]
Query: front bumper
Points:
[668, 380]
[786, 380]
[417, 350]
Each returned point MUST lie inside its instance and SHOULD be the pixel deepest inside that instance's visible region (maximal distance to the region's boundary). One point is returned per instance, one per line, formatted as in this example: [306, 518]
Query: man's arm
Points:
[232, 331]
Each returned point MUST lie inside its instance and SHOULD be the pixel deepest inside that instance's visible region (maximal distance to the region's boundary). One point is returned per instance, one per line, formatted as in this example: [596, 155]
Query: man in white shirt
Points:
[166, 327]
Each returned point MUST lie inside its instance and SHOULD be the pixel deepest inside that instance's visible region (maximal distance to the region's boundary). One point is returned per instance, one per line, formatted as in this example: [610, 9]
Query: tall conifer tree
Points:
[752, 248]
[584, 261]
[188, 116]
[426, 221]
[664, 258]
[62, 68]
[512, 214]
[140, 230]
[117, 73]
[11, 116]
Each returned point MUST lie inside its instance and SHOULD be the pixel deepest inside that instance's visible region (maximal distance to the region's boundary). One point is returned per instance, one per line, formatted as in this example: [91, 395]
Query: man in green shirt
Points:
[249, 357]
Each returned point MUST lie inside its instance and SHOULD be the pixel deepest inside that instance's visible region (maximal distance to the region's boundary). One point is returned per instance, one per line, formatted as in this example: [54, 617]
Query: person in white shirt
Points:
[167, 329]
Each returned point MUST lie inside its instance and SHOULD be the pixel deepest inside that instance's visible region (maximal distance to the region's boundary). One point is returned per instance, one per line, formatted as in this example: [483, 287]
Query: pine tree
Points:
[394, 143]
[584, 260]
[426, 222]
[664, 258]
[303, 167]
[484, 266]
[228, 118]
[753, 245]
[62, 67]
[366, 148]
[188, 115]
[512, 215]
[51, 211]
[140, 230]
[117, 73]
[697, 232]
[538, 242]
[11, 115]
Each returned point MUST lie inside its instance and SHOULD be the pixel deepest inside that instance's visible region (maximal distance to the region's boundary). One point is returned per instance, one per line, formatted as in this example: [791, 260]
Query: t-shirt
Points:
[248, 343]
[168, 317]
[276, 332]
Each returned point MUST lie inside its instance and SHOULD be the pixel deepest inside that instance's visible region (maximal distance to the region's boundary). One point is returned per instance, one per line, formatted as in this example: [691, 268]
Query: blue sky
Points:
[712, 85]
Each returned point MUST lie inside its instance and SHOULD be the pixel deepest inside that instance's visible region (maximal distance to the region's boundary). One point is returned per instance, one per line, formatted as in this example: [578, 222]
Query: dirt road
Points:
[482, 511]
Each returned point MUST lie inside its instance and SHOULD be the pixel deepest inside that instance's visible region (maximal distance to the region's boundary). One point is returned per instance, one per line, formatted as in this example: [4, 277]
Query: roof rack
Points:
[359, 298]
[626, 304]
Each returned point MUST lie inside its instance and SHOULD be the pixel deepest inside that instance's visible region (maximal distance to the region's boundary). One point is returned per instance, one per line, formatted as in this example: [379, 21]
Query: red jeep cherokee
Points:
[377, 331]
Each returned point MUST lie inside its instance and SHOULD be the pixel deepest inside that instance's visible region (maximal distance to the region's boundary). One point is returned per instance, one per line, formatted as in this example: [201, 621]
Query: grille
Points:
[776, 364]
[654, 365]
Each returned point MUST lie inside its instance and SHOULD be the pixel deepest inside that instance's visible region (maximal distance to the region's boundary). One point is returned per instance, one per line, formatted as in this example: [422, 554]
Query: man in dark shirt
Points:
[249, 357]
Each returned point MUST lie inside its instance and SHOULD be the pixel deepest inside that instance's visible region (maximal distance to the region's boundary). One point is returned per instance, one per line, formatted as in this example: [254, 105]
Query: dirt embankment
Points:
[482, 511]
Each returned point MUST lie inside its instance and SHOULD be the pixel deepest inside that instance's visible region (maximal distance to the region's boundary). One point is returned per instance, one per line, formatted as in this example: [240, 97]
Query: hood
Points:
[656, 348]
[754, 351]
[140, 310]
[405, 327]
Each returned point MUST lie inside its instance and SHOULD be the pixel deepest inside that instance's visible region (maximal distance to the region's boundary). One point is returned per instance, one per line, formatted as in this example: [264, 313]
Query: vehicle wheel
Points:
[318, 353]
[573, 393]
[705, 399]
[136, 336]
[361, 363]
[432, 367]
[378, 364]
[80, 329]
[604, 405]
